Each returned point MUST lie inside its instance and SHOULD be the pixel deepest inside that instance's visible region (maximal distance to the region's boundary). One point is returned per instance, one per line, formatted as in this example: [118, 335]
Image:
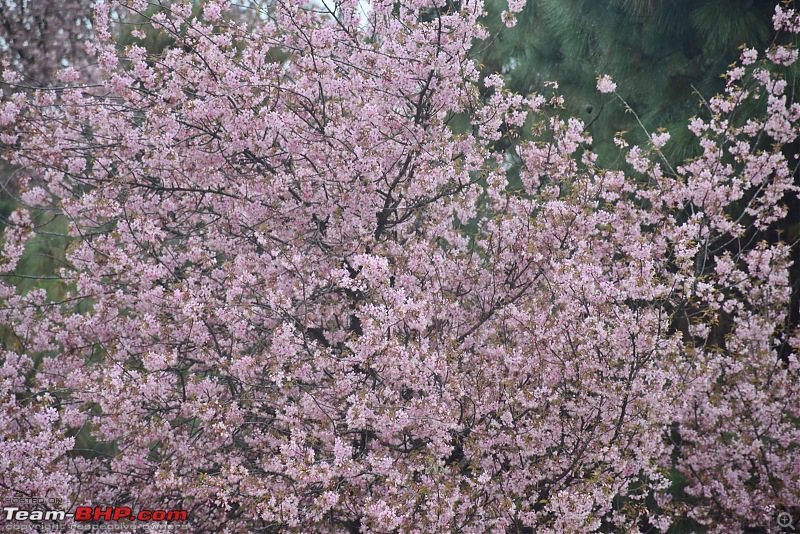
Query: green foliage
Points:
[723, 25]
[155, 41]
[44, 255]
[662, 53]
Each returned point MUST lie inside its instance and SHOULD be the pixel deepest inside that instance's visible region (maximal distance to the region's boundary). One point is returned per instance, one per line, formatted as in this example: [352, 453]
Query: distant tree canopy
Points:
[38, 37]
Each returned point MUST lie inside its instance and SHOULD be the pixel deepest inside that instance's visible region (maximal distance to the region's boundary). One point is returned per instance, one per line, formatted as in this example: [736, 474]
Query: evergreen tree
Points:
[662, 51]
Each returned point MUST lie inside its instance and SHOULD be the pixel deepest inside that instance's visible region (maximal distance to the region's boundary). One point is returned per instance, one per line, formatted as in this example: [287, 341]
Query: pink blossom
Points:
[605, 84]
[658, 140]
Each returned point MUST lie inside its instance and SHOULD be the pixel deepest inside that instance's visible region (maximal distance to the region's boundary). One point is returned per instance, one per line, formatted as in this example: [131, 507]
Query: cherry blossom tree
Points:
[38, 37]
[298, 299]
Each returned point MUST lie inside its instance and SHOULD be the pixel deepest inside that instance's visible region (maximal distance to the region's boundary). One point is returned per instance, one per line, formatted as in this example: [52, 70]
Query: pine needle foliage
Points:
[662, 53]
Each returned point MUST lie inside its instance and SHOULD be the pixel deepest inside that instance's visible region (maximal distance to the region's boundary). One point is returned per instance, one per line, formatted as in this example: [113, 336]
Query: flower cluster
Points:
[605, 84]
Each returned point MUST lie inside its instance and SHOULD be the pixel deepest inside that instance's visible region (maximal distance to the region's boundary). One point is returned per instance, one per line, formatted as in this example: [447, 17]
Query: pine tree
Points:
[665, 53]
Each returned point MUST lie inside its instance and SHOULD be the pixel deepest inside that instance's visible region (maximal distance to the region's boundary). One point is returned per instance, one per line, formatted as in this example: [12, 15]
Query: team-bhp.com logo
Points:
[93, 513]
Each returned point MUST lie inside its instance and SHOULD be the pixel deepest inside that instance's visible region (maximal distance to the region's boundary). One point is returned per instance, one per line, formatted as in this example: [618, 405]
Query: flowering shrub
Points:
[296, 299]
